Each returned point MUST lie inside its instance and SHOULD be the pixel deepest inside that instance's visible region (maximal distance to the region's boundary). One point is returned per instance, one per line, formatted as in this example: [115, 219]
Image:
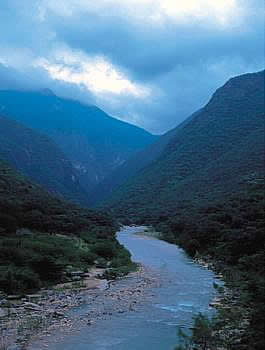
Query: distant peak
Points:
[46, 92]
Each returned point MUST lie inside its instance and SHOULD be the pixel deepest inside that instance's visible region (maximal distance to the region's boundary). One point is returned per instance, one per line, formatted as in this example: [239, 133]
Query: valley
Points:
[71, 177]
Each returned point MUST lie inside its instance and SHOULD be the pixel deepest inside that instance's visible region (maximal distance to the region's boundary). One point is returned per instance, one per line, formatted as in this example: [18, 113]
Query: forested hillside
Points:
[206, 193]
[213, 155]
[38, 157]
[229, 234]
[41, 236]
[133, 165]
[94, 142]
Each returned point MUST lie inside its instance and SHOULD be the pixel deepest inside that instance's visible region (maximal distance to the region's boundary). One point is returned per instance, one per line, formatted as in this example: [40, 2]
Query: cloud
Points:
[150, 62]
[96, 73]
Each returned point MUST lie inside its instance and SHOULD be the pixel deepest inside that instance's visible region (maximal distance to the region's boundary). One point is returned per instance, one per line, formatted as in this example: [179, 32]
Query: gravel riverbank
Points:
[29, 323]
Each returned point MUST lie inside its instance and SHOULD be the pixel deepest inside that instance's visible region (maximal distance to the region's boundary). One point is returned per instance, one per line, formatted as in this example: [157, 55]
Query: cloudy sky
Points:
[149, 62]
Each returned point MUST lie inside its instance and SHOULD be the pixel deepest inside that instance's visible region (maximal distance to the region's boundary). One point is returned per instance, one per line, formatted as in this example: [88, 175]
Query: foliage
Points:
[202, 336]
[41, 235]
[231, 234]
[216, 152]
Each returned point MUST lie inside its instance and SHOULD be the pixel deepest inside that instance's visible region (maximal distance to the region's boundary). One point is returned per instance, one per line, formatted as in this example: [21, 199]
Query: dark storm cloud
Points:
[148, 51]
[181, 63]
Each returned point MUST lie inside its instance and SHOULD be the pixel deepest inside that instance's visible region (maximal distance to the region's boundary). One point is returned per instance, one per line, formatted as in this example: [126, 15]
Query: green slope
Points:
[41, 236]
[212, 154]
[38, 157]
[133, 165]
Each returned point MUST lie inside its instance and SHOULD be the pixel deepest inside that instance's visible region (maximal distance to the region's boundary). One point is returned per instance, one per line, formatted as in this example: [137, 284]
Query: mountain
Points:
[216, 152]
[134, 164]
[24, 204]
[94, 142]
[38, 157]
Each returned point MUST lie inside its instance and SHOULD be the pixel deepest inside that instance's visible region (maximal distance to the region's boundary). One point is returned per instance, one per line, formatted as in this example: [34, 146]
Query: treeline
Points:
[41, 237]
[230, 234]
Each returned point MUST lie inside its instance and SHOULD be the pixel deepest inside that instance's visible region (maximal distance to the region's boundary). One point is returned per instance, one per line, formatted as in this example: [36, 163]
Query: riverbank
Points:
[28, 322]
[232, 318]
[24, 317]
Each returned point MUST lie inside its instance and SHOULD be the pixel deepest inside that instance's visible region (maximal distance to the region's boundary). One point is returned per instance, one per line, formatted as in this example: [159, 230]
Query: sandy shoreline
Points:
[49, 317]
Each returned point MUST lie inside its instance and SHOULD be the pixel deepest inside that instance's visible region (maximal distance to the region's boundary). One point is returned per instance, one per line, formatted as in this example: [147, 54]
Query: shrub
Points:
[8, 222]
[106, 249]
[13, 279]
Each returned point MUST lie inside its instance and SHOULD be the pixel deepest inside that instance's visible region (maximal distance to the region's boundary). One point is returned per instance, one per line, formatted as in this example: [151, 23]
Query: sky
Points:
[148, 62]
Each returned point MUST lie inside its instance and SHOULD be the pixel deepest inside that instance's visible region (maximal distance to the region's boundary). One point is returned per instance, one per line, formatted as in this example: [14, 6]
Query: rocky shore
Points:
[27, 323]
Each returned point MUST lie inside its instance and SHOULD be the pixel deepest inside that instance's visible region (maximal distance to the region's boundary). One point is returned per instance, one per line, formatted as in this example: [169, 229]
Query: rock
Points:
[4, 312]
[3, 302]
[58, 314]
[32, 297]
[32, 306]
[7, 311]
[76, 278]
[24, 231]
[2, 295]
[13, 347]
[76, 273]
[13, 297]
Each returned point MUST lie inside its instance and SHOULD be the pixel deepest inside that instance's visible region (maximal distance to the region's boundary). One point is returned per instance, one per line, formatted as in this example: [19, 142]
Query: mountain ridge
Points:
[39, 158]
[217, 130]
[94, 142]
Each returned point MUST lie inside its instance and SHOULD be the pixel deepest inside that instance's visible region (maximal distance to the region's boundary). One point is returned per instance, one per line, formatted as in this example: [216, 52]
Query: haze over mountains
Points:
[201, 186]
[135, 163]
[213, 153]
[39, 158]
[94, 142]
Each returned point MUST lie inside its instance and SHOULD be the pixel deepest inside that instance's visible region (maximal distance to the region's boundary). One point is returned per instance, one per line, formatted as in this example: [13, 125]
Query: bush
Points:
[13, 279]
[88, 257]
[8, 223]
[47, 267]
[106, 249]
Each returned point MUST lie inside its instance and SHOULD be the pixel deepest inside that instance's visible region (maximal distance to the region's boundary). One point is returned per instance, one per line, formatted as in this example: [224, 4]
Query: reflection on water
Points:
[185, 289]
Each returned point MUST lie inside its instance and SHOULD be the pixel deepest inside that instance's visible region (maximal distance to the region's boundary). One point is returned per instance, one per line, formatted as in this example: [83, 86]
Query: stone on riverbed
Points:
[13, 347]
[33, 297]
[13, 297]
[4, 312]
[32, 306]
[76, 273]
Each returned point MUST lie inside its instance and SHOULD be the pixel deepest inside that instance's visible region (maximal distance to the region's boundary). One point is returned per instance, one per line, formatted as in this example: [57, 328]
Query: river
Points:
[185, 289]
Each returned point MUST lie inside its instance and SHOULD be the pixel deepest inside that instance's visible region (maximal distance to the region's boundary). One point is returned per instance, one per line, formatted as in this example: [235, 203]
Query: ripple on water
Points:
[107, 342]
[184, 307]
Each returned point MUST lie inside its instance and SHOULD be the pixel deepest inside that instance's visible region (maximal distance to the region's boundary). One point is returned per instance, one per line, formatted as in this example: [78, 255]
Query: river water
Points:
[185, 289]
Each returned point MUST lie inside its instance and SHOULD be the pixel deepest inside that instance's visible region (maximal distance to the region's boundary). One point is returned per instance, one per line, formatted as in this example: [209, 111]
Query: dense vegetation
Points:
[230, 233]
[134, 164]
[41, 237]
[212, 155]
[205, 192]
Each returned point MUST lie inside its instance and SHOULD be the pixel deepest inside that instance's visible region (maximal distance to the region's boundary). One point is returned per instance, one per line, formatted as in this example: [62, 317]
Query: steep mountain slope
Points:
[134, 164]
[94, 142]
[38, 157]
[42, 236]
[215, 152]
